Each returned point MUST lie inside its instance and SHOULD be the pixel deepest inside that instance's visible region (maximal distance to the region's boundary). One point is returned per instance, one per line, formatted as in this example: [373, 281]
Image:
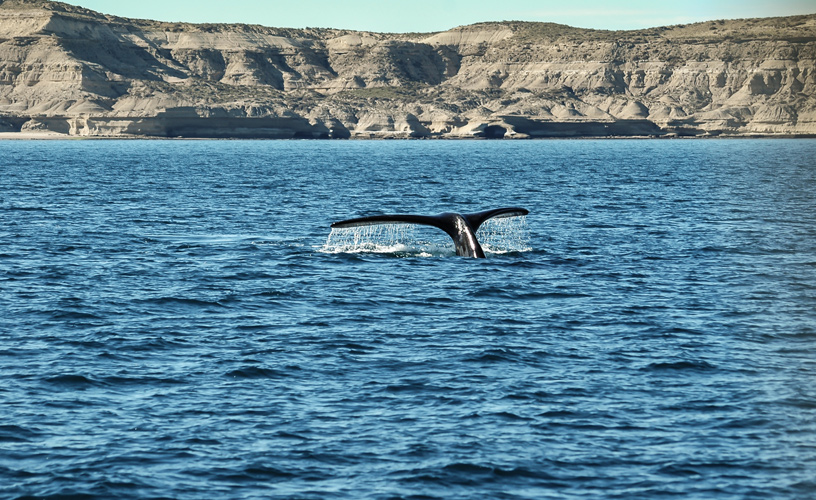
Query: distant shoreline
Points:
[54, 136]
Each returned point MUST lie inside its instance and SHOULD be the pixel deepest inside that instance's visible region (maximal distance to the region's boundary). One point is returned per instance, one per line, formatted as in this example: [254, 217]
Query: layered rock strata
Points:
[72, 71]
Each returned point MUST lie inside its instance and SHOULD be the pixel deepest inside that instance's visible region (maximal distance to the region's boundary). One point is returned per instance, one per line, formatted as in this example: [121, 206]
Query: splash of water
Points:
[502, 235]
[374, 238]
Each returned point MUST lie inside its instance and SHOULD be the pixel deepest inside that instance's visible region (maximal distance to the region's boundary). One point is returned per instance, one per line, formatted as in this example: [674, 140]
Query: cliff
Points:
[69, 70]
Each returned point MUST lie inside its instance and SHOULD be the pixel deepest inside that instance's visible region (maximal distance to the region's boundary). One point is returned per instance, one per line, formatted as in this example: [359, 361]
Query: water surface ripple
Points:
[170, 328]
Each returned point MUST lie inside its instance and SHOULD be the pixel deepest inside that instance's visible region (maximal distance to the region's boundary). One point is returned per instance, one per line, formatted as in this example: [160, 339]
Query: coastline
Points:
[34, 136]
[506, 80]
[55, 136]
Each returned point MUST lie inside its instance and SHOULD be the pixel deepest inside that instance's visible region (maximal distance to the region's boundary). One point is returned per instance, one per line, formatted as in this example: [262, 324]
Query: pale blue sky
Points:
[438, 15]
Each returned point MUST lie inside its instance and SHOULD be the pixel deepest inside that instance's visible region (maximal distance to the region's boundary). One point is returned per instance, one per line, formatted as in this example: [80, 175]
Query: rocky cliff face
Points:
[70, 70]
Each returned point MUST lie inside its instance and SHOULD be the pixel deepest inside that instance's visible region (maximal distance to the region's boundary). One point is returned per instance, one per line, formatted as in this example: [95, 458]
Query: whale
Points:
[460, 227]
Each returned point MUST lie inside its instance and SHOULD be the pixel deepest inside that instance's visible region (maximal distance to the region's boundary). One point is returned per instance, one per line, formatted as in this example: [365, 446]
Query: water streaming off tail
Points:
[501, 235]
[388, 238]
[505, 234]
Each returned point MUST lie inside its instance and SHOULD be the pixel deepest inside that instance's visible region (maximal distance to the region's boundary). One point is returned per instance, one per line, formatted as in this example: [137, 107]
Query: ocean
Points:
[177, 323]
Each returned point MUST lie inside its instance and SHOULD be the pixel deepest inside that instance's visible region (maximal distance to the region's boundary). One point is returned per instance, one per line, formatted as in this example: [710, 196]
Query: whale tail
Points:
[460, 227]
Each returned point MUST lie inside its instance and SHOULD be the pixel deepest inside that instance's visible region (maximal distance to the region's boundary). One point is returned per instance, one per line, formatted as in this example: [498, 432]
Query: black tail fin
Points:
[388, 219]
[461, 228]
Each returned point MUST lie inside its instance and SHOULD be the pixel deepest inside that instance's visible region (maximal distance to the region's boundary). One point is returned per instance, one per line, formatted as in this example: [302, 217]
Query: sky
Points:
[402, 16]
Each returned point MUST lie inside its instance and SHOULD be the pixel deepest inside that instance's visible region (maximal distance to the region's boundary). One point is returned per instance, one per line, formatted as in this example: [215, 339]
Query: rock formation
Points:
[69, 70]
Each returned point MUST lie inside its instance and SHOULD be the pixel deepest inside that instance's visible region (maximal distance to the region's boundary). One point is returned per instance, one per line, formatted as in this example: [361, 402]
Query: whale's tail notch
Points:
[460, 227]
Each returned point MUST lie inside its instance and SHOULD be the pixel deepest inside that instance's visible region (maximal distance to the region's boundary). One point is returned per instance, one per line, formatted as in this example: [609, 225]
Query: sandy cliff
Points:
[69, 70]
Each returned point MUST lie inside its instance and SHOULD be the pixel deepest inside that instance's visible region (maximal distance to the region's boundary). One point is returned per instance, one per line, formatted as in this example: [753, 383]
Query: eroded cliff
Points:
[70, 70]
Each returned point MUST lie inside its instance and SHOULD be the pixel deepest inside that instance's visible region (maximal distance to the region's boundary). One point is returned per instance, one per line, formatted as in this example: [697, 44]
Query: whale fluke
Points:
[460, 227]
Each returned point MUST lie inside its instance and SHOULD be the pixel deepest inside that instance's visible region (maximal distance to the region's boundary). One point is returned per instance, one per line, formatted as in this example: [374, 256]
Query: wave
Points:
[474, 474]
[493, 356]
[73, 380]
[10, 433]
[256, 372]
[690, 365]
[14, 208]
[178, 301]
[143, 380]
[62, 315]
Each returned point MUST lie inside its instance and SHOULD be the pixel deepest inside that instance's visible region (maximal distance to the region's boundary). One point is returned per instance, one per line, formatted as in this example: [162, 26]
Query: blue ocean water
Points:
[173, 325]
